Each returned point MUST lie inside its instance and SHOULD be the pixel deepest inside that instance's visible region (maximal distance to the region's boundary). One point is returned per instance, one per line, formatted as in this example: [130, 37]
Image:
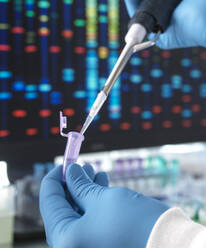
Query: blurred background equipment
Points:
[28, 222]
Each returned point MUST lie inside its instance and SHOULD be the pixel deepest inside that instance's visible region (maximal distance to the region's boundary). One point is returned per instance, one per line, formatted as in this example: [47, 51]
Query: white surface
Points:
[135, 34]
[6, 229]
[7, 200]
[6, 215]
[174, 230]
[4, 181]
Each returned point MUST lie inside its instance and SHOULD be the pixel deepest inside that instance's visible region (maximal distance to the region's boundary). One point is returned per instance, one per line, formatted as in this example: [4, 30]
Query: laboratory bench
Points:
[31, 245]
[34, 244]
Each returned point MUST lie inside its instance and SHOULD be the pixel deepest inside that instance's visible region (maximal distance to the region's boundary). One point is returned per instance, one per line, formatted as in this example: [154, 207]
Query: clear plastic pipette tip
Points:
[99, 101]
[86, 124]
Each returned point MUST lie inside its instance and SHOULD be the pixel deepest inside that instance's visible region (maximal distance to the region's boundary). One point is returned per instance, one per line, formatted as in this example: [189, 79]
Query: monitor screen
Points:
[56, 55]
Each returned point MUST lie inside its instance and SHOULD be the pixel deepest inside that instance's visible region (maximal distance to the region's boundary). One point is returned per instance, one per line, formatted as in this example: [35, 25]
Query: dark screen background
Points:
[57, 55]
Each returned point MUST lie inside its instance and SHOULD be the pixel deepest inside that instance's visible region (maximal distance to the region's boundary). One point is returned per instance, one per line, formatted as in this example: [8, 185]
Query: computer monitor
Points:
[56, 55]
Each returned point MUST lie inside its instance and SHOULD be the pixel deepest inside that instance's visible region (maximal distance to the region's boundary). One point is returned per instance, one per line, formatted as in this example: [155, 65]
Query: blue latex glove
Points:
[112, 217]
[187, 27]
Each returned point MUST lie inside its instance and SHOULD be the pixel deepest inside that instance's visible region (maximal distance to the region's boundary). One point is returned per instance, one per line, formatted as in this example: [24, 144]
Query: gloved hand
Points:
[187, 27]
[112, 217]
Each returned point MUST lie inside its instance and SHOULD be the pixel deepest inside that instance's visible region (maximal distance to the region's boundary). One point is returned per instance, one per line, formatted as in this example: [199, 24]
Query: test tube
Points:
[72, 150]
[202, 216]
[140, 168]
[119, 171]
[38, 171]
[98, 165]
[130, 169]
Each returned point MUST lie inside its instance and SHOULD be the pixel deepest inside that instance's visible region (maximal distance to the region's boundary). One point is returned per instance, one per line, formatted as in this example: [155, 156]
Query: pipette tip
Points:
[86, 124]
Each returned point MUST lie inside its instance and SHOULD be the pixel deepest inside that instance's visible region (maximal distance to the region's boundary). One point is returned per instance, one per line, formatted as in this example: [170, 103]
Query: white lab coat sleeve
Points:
[174, 229]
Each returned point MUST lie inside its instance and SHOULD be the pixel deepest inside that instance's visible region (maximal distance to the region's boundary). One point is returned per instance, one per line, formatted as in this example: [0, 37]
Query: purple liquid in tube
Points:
[140, 168]
[119, 170]
[74, 142]
[72, 150]
[98, 165]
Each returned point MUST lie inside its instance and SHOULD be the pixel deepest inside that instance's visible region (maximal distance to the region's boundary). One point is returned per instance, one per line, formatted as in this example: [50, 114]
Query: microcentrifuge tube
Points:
[74, 142]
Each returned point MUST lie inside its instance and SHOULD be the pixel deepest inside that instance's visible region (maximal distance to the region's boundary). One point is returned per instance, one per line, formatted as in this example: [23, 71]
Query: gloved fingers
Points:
[89, 170]
[166, 40]
[56, 211]
[82, 190]
[102, 179]
[132, 6]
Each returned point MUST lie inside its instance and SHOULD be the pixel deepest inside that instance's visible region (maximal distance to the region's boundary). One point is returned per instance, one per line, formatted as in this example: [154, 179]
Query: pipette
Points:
[152, 16]
[127, 52]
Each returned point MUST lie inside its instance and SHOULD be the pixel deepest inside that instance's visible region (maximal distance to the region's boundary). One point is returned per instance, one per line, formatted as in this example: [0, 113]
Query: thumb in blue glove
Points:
[53, 187]
[112, 217]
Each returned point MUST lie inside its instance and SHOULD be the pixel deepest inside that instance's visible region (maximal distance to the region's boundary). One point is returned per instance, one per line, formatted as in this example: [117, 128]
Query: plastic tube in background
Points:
[74, 142]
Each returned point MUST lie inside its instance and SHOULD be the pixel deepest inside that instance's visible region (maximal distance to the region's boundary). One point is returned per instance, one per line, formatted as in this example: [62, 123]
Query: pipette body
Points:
[131, 39]
[151, 16]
